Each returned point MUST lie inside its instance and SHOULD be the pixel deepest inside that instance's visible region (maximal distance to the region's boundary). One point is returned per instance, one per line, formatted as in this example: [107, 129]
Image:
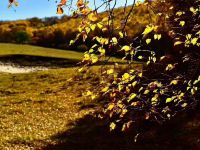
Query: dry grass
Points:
[46, 110]
[36, 106]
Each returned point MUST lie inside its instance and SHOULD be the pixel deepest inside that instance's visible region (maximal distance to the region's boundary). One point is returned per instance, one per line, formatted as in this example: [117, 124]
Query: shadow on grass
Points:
[89, 133]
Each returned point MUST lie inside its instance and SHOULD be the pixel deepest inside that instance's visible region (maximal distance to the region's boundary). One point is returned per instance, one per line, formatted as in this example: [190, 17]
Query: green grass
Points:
[16, 49]
[29, 50]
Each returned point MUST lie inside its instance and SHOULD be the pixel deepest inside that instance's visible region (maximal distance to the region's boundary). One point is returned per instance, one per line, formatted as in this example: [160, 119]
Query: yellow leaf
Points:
[181, 95]
[184, 105]
[161, 58]
[93, 97]
[140, 75]
[100, 26]
[89, 93]
[114, 40]
[126, 48]
[16, 3]
[159, 36]
[174, 82]
[193, 10]
[182, 23]
[59, 10]
[168, 100]
[132, 96]
[194, 41]
[71, 42]
[146, 92]
[140, 57]
[121, 35]
[92, 17]
[177, 43]
[193, 90]
[140, 89]
[111, 106]
[105, 89]
[188, 36]
[155, 36]
[94, 59]
[93, 26]
[179, 13]
[102, 50]
[86, 57]
[110, 71]
[112, 126]
[134, 83]
[195, 82]
[169, 67]
[198, 32]
[125, 76]
[148, 41]
[148, 29]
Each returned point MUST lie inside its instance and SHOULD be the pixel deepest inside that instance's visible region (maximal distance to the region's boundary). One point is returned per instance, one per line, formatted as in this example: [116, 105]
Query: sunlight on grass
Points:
[14, 49]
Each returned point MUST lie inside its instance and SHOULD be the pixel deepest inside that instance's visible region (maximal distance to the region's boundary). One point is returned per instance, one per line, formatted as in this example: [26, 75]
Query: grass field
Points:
[27, 53]
[16, 49]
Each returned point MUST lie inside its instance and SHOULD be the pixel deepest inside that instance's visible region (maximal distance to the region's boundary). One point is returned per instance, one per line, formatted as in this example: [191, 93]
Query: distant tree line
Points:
[57, 32]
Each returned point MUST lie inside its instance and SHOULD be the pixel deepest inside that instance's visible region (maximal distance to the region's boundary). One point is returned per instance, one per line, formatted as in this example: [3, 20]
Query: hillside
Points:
[54, 32]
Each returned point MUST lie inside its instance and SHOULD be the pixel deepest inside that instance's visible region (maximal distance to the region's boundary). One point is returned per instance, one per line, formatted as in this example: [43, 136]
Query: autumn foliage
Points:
[168, 84]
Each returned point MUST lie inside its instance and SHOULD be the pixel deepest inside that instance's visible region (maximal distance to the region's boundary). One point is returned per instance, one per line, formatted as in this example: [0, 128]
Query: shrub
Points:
[22, 37]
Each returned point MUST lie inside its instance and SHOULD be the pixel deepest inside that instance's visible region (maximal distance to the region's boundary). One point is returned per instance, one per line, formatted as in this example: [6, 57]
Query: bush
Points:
[22, 37]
